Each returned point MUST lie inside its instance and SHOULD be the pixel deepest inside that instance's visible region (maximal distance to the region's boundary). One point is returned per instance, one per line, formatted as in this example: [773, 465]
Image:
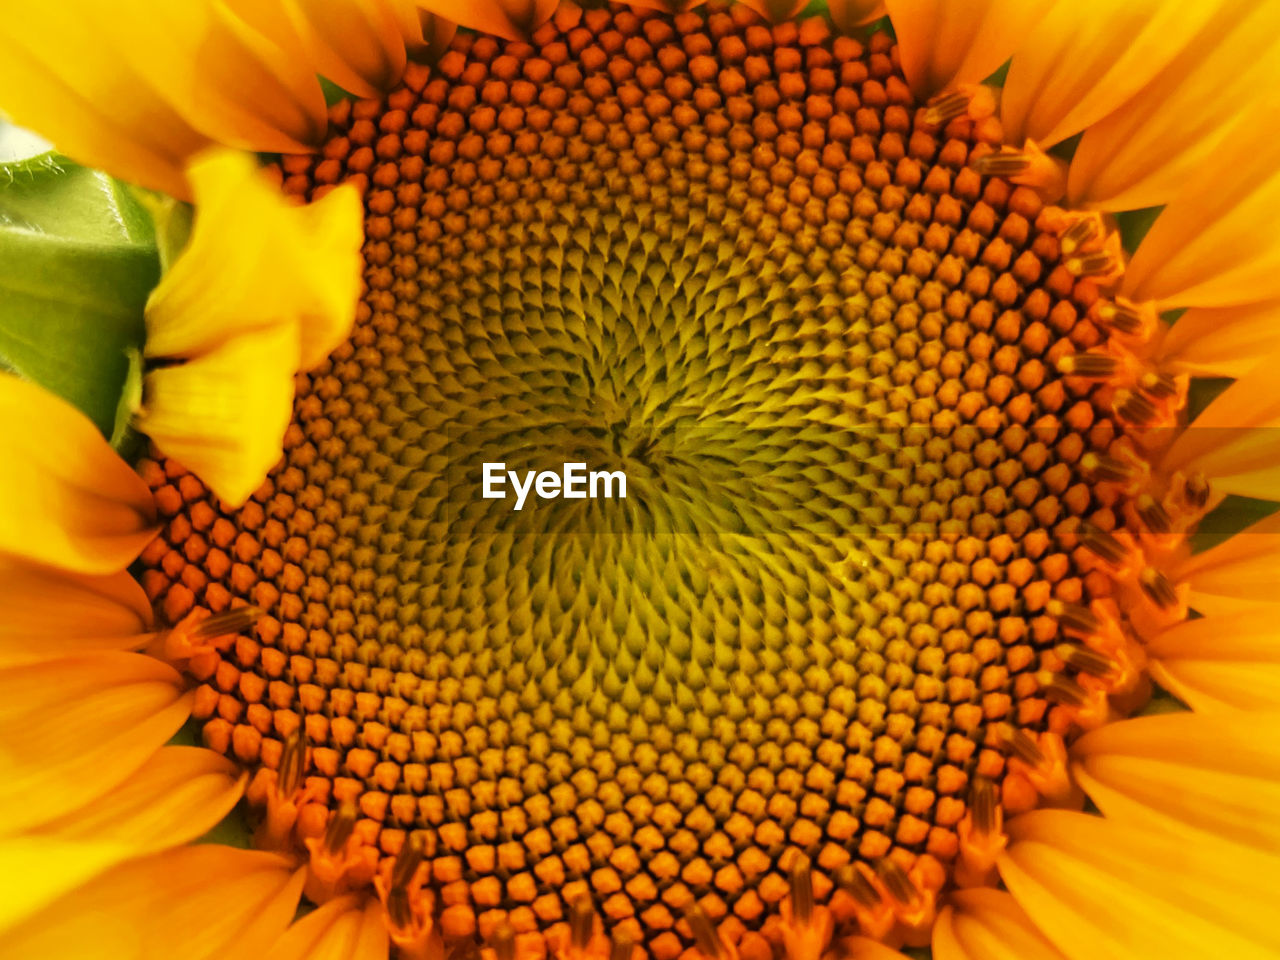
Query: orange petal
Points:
[1099, 889]
[776, 11]
[1221, 341]
[942, 43]
[1188, 773]
[1234, 441]
[226, 79]
[1083, 61]
[848, 15]
[72, 729]
[49, 614]
[358, 44]
[509, 19]
[177, 795]
[1239, 572]
[206, 902]
[983, 924]
[345, 928]
[1214, 246]
[1221, 663]
[1219, 86]
[863, 948]
[70, 500]
[224, 414]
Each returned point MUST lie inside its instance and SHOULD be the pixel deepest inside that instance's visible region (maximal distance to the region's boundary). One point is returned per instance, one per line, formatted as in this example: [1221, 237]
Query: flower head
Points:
[906, 546]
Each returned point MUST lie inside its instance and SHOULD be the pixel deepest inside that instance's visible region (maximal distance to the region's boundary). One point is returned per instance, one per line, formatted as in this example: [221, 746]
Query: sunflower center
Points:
[739, 265]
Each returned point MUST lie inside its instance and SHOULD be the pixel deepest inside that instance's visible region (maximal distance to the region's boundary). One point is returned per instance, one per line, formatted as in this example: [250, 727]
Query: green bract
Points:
[78, 259]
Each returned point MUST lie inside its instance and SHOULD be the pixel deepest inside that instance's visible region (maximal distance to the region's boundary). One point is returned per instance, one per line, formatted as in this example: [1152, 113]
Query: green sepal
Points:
[78, 259]
[171, 220]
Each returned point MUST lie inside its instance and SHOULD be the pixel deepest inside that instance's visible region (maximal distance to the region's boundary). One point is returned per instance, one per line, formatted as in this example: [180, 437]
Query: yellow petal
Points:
[206, 902]
[1229, 662]
[1100, 890]
[1234, 441]
[326, 263]
[983, 924]
[346, 928]
[38, 870]
[942, 43]
[1240, 572]
[72, 729]
[71, 71]
[1220, 85]
[42, 96]
[255, 261]
[1221, 341]
[224, 414]
[1188, 773]
[358, 44]
[1080, 63]
[177, 795]
[70, 501]
[49, 614]
[510, 19]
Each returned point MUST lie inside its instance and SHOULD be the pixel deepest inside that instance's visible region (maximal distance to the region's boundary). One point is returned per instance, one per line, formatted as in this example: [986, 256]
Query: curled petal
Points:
[255, 261]
[263, 288]
[224, 414]
[70, 501]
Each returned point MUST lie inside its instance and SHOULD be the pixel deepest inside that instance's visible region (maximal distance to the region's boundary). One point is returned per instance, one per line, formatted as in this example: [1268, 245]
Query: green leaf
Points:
[77, 262]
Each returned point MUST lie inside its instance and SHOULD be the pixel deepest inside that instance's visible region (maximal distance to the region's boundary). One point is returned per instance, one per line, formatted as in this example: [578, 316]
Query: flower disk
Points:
[738, 263]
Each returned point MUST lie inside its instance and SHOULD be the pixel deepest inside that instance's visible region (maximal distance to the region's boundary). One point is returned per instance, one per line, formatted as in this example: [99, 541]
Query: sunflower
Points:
[935, 344]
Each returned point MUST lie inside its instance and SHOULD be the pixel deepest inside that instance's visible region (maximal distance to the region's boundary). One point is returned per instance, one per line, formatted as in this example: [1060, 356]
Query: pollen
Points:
[881, 537]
